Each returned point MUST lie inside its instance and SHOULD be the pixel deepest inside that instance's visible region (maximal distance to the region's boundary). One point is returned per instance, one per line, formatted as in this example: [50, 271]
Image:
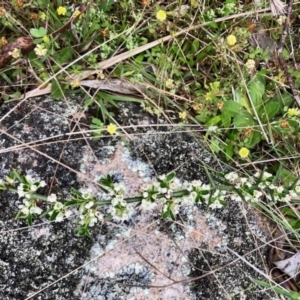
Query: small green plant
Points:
[252, 116]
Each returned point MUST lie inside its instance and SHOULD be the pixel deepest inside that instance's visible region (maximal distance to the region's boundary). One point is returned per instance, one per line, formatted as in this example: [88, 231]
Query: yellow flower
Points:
[244, 152]
[2, 11]
[61, 11]
[208, 96]
[161, 15]
[293, 112]
[76, 13]
[40, 50]
[169, 83]
[100, 75]
[182, 115]
[231, 40]
[3, 41]
[46, 39]
[250, 64]
[15, 53]
[42, 16]
[111, 128]
[75, 83]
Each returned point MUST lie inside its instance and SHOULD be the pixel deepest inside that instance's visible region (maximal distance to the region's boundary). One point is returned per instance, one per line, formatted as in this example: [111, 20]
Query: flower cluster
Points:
[173, 194]
[57, 211]
[261, 186]
[29, 186]
[86, 205]
[168, 193]
[119, 208]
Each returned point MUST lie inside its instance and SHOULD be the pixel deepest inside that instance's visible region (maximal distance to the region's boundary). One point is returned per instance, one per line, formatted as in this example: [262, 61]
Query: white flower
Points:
[35, 210]
[257, 194]
[162, 190]
[42, 183]
[286, 198]
[40, 50]
[112, 211]
[33, 187]
[86, 193]
[58, 206]
[243, 180]
[117, 200]
[98, 215]
[297, 189]
[93, 221]
[120, 187]
[249, 184]
[59, 217]
[9, 180]
[279, 189]
[24, 209]
[21, 193]
[162, 177]
[272, 186]
[123, 203]
[68, 213]
[197, 183]
[89, 205]
[212, 128]
[266, 175]
[232, 176]
[216, 204]
[52, 198]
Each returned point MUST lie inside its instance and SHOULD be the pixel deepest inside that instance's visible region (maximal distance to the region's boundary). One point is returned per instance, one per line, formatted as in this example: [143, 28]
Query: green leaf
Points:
[256, 90]
[106, 5]
[232, 107]
[38, 33]
[97, 123]
[285, 54]
[214, 121]
[254, 139]
[65, 55]
[56, 90]
[229, 150]
[214, 145]
[195, 45]
[53, 215]
[202, 118]
[29, 220]
[88, 102]
[226, 119]
[71, 202]
[243, 119]
[243, 100]
[170, 176]
[268, 112]
[283, 100]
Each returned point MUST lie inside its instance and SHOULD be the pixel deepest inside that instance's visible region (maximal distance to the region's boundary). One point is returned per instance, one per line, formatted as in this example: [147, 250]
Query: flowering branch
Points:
[168, 193]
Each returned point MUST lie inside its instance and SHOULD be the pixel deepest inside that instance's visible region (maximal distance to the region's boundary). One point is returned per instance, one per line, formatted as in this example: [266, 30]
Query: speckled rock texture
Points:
[144, 258]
